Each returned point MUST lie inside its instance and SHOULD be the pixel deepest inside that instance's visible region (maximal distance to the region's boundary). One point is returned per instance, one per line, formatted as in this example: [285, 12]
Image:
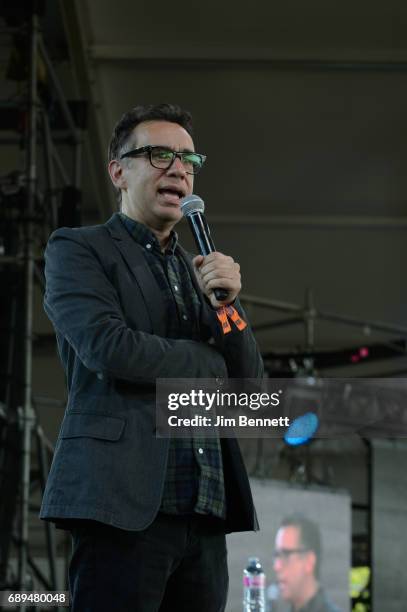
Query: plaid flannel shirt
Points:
[194, 479]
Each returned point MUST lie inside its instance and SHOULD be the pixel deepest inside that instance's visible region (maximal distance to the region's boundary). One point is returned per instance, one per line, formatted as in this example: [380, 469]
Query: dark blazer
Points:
[107, 311]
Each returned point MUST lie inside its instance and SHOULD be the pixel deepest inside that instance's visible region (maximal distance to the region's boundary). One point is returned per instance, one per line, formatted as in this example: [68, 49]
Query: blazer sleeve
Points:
[84, 307]
[239, 348]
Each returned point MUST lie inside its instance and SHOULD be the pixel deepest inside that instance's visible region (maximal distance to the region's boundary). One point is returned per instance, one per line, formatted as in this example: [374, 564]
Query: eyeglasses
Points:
[284, 554]
[163, 158]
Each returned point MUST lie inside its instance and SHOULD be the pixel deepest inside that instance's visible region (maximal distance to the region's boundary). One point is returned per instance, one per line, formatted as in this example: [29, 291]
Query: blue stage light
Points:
[302, 429]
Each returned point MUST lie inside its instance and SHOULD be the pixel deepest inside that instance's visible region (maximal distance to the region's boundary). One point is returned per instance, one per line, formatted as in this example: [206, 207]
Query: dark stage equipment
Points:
[31, 206]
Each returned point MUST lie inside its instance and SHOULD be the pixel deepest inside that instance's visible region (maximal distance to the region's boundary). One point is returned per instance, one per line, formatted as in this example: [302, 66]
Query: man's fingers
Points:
[224, 272]
[222, 283]
[197, 261]
[220, 263]
[218, 271]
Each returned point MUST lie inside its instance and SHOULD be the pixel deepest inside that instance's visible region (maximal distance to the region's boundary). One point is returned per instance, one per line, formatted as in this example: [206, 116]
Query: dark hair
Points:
[139, 114]
[310, 536]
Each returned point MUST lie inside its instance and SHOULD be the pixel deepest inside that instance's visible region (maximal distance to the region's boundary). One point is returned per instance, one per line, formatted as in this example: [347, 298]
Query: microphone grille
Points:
[191, 204]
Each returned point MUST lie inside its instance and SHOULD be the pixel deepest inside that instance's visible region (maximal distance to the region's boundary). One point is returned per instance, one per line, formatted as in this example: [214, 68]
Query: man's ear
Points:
[116, 174]
[311, 562]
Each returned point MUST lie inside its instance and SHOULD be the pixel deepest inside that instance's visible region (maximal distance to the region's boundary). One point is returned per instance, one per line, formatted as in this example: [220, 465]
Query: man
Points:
[148, 515]
[296, 562]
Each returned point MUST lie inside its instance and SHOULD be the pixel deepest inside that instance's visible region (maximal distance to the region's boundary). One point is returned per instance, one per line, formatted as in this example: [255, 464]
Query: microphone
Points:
[193, 208]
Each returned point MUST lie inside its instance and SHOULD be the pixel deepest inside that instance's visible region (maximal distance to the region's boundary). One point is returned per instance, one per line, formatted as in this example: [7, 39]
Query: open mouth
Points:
[171, 193]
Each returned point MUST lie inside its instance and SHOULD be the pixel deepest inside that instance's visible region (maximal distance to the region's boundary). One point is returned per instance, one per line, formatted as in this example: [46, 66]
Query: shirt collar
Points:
[317, 599]
[146, 238]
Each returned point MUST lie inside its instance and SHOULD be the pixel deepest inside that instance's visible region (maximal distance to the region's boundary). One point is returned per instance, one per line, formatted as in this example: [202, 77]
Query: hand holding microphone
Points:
[219, 277]
[218, 274]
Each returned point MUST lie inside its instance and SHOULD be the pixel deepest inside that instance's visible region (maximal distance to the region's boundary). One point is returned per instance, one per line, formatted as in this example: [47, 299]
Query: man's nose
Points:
[177, 168]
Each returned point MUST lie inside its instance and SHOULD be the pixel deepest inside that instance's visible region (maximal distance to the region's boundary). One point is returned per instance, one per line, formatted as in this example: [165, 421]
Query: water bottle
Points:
[254, 587]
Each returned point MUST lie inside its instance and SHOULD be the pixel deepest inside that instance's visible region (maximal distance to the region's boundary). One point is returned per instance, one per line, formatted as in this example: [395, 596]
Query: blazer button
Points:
[99, 375]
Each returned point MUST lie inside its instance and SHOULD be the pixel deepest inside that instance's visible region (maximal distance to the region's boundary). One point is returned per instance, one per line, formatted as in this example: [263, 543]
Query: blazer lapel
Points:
[132, 253]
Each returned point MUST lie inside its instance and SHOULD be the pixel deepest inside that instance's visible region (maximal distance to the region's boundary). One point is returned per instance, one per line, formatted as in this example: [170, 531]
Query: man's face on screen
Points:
[152, 195]
[294, 566]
